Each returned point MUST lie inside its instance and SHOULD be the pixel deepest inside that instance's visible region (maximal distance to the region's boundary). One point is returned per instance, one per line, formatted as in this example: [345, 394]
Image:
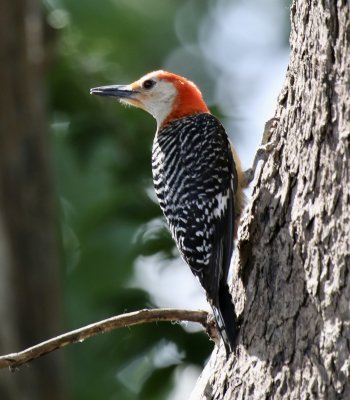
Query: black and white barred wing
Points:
[211, 175]
[193, 175]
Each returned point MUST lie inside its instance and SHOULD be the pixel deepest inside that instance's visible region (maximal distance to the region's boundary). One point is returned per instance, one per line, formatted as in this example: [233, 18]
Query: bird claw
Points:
[263, 150]
[269, 128]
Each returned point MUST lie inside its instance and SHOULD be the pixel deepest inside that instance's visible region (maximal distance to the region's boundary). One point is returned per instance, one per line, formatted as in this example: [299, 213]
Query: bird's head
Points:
[164, 95]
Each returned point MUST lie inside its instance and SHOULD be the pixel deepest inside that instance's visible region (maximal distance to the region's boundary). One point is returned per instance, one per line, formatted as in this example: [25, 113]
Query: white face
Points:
[154, 95]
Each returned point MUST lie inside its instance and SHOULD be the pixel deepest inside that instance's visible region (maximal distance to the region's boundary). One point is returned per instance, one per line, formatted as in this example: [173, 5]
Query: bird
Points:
[198, 181]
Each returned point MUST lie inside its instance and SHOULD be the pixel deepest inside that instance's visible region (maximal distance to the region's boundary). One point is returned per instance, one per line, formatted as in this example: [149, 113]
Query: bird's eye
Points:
[148, 84]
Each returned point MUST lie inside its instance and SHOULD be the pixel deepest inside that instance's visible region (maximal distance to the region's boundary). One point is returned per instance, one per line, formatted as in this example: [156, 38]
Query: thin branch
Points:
[14, 360]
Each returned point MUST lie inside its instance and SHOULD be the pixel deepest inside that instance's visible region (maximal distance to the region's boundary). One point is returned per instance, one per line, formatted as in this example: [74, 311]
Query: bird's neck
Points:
[186, 103]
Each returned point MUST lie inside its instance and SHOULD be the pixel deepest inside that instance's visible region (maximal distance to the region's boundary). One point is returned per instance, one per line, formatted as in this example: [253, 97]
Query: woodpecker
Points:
[198, 180]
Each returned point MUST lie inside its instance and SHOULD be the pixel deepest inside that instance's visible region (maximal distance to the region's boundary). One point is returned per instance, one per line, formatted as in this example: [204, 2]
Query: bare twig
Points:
[14, 360]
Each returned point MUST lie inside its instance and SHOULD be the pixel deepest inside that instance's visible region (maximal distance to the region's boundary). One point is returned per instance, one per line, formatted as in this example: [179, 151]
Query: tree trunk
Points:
[29, 278]
[294, 248]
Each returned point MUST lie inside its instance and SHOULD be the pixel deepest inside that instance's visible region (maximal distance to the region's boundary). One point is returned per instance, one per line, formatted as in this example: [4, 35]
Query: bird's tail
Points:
[226, 318]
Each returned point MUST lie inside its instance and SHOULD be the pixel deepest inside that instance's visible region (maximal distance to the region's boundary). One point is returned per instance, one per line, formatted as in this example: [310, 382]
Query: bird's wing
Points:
[212, 177]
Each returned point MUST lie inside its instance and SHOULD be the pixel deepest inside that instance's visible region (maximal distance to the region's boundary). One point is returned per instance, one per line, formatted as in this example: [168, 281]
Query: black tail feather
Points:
[226, 318]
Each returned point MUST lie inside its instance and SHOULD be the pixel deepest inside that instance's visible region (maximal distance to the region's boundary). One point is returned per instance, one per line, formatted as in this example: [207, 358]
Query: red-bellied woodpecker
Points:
[198, 181]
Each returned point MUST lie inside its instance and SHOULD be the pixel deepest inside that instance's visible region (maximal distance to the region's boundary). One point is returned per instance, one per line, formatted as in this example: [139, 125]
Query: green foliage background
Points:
[102, 166]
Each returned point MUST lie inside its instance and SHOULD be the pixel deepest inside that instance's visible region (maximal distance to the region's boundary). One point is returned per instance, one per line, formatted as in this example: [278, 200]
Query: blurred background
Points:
[81, 234]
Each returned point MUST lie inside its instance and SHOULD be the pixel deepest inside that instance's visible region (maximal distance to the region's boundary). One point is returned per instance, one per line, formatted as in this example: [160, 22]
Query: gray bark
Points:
[292, 278]
[29, 278]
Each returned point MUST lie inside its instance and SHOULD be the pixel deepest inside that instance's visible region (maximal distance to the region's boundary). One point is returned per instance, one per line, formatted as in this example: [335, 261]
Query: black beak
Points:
[120, 91]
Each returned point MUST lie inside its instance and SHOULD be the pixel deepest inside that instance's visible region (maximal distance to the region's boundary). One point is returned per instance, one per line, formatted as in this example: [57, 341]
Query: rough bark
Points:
[29, 278]
[294, 249]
